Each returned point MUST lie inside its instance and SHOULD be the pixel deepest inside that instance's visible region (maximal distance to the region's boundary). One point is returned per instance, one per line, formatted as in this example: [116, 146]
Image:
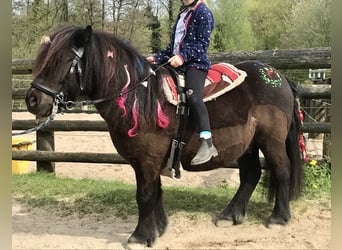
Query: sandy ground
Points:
[310, 227]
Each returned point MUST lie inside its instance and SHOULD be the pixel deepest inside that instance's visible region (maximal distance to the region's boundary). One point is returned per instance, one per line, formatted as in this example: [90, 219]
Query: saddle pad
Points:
[222, 77]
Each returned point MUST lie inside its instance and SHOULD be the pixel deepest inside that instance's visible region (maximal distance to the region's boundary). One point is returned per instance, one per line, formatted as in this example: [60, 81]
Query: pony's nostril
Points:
[33, 101]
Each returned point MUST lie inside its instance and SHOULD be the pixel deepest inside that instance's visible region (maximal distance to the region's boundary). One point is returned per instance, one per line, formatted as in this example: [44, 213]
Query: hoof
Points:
[134, 240]
[222, 223]
[230, 218]
[276, 227]
[135, 246]
[276, 221]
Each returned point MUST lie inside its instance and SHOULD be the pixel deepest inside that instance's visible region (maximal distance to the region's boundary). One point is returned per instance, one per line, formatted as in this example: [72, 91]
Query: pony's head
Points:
[58, 69]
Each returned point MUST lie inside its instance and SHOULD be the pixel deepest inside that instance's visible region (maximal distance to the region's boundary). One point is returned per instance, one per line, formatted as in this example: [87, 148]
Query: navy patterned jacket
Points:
[194, 46]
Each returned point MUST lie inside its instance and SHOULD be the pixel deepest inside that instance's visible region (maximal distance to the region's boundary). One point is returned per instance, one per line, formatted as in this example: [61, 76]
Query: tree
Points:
[171, 19]
[232, 30]
[147, 24]
[267, 20]
[308, 25]
[154, 26]
[29, 27]
[92, 12]
[65, 12]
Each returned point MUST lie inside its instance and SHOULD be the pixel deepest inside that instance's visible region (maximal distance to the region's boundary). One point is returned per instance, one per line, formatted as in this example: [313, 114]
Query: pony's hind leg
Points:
[279, 180]
[152, 216]
[250, 172]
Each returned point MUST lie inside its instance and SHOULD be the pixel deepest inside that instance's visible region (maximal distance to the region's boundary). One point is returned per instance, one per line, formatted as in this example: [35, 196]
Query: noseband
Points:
[57, 95]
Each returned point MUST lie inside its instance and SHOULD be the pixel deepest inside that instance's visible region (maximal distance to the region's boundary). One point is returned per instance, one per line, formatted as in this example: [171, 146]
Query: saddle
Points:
[221, 78]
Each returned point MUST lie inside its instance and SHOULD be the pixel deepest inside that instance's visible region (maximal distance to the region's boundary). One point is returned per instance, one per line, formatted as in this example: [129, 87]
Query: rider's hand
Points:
[176, 61]
[150, 59]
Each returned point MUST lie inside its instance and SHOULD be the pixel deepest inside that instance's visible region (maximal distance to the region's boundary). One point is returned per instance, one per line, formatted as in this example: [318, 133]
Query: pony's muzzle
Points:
[32, 100]
[38, 103]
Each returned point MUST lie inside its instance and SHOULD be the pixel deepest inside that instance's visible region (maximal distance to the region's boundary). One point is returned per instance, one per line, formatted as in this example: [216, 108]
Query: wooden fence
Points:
[45, 156]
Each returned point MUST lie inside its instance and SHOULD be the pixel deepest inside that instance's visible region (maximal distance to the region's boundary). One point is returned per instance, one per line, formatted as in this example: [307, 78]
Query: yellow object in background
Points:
[20, 167]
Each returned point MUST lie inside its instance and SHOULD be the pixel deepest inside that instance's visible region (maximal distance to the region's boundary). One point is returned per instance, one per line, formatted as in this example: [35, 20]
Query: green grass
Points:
[65, 196]
[317, 179]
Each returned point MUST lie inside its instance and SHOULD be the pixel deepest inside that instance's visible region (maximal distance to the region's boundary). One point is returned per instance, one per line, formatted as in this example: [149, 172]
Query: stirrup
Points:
[169, 172]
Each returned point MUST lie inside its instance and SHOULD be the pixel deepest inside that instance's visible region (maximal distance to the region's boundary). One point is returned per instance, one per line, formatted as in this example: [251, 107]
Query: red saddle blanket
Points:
[222, 77]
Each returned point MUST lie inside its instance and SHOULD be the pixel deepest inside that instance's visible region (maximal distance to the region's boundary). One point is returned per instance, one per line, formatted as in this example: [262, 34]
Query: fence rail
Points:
[308, 58]
[100, 126]
[313, 58]
[310, 91]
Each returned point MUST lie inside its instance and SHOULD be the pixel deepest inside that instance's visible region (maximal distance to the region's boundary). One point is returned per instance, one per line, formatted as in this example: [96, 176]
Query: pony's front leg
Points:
[152, 216]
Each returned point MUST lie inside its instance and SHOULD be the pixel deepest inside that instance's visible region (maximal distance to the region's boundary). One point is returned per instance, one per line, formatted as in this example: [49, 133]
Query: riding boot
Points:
[206, 151]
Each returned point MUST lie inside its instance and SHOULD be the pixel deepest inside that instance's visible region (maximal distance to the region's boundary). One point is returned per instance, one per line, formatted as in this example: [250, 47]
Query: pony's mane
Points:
[52, 50]
[111, 66]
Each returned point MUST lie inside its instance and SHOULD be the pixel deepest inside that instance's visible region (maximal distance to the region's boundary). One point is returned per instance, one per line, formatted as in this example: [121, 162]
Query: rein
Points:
[43, 124]
[143, 82]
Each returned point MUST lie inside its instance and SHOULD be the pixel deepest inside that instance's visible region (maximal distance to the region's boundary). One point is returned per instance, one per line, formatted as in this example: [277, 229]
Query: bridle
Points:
[60, 104]
[59, 97]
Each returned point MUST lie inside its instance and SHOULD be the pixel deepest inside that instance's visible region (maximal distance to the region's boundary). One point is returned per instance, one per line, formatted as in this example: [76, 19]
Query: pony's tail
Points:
[293, 153]
[293, 150]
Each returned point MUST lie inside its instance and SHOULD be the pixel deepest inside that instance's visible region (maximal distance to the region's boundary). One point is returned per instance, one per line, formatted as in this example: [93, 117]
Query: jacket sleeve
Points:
[195, 46]
[163, 55]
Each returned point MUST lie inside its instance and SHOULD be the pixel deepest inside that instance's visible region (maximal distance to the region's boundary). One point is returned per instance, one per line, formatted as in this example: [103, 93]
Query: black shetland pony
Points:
[260, 114]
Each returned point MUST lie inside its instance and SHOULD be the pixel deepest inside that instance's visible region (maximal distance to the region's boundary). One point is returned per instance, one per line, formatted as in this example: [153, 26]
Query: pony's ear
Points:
[82, 39]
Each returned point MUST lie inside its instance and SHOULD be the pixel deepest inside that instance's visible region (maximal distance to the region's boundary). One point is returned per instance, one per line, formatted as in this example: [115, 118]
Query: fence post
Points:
[46, 142]
[327, 136]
